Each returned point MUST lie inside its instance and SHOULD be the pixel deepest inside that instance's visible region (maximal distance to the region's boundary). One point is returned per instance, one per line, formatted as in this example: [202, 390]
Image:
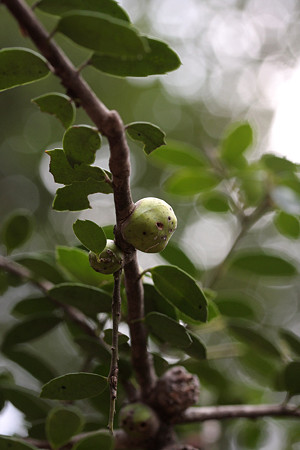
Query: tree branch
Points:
[110, 125]
[235, 411]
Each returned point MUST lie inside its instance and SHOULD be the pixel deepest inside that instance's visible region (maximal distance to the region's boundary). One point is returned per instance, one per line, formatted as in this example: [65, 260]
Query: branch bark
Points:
[201, 414]
[110, 125]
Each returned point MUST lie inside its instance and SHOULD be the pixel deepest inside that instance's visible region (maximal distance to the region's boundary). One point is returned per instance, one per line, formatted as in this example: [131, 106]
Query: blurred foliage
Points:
[237, 204]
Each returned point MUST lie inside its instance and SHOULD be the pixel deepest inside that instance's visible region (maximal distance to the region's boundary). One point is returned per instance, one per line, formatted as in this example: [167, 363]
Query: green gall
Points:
[109, 260]
[139, 421]
[150, 225]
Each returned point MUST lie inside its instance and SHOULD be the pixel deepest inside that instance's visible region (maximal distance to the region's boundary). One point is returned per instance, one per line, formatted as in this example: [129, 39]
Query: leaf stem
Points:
[113, 373]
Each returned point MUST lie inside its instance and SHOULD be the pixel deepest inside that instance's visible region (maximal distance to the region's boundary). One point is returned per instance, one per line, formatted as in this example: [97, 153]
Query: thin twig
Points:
[113, 373]
[201, 414]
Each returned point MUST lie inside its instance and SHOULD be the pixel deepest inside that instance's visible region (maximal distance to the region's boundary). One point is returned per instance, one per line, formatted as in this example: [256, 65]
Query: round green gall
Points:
[150, 225]
[139, 421]
[109, 260]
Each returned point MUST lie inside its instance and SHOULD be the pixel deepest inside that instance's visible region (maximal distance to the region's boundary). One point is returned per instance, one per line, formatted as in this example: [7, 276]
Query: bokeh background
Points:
[240, 61]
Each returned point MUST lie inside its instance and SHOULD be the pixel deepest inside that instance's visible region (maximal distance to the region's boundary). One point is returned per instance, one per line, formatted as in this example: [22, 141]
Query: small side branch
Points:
[113, 373]
[235, 411]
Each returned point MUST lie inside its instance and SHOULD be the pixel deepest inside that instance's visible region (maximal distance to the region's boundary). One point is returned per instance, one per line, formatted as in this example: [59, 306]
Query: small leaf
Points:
[76, 262]
[292, 340]
[74, 386]
[59, 105]
[62, 424]
[286, 199]
[74, 197]
[287, 225]
[20, 66]
[30, 362]
[60, 7]
[178, 153]
[30, 328]
[80, 144]
[158, 59]
[64, 173]
[100, 440]
[156, 302]
[174, 255]
[102, 33]
[189, 182]
[14, 444]
[150, 135]
[263, 264]
[237, 140]
[168, 330]
[42, 266]
[181, 290]
[27, 401]
[33, 305]
[90, 235]
[215, 202]
[197, 349]
[90, 300]
[291, 378]
[236, 306]
[277, 164]
[16, 230]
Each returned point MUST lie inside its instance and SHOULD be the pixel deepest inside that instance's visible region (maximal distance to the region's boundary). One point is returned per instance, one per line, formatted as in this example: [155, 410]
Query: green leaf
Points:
[16, 230]
[62, 424]
[38, 368]
[14, 444]
[76, 262]
[158, 59]
[33, 305]
[93, 348]
[254, 338]
[20, 66]
[236, 306]
[30, 328]
[263, 264]
[90, 300]
[80, 144]
[102, 33]
[150, 135]
[287, 225]
[60, 7]
[189, 182]
[215, 202]
[26, 401]
[237, 140]
[277, 164]
[197, 349]
[101, 440]
[59, 105]
[292, 340]
[74, 386]
[181, 290]
[174, 255]
[168, 330]
[42, 266]
[90, 235]
[108, 333]
[178, 153]
[291, 378]
[286, 199]
[156, 302]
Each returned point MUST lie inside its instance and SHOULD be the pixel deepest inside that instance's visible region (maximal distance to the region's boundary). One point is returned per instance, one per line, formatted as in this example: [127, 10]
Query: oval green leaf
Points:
[80, 144]
[20, 66]
[30, 328]
[158, 59]
[197, 349]
[59, 105]
[60, 7]
[42, 266]
[189, 182]
[33, 305]
[287, 225]
[8, 443]
[100, 440]
[238, 139]
[150, 135]
[27, 401]
[177, 153]
[175, 256]
[16, 230]
[215, 202]
[62, 424]
[168, 330]
[263, 264]
[102, 33]
[291, 378]
[90, 235]
[90, 300]
[292, 340]
[74, 386]
[181, 290]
